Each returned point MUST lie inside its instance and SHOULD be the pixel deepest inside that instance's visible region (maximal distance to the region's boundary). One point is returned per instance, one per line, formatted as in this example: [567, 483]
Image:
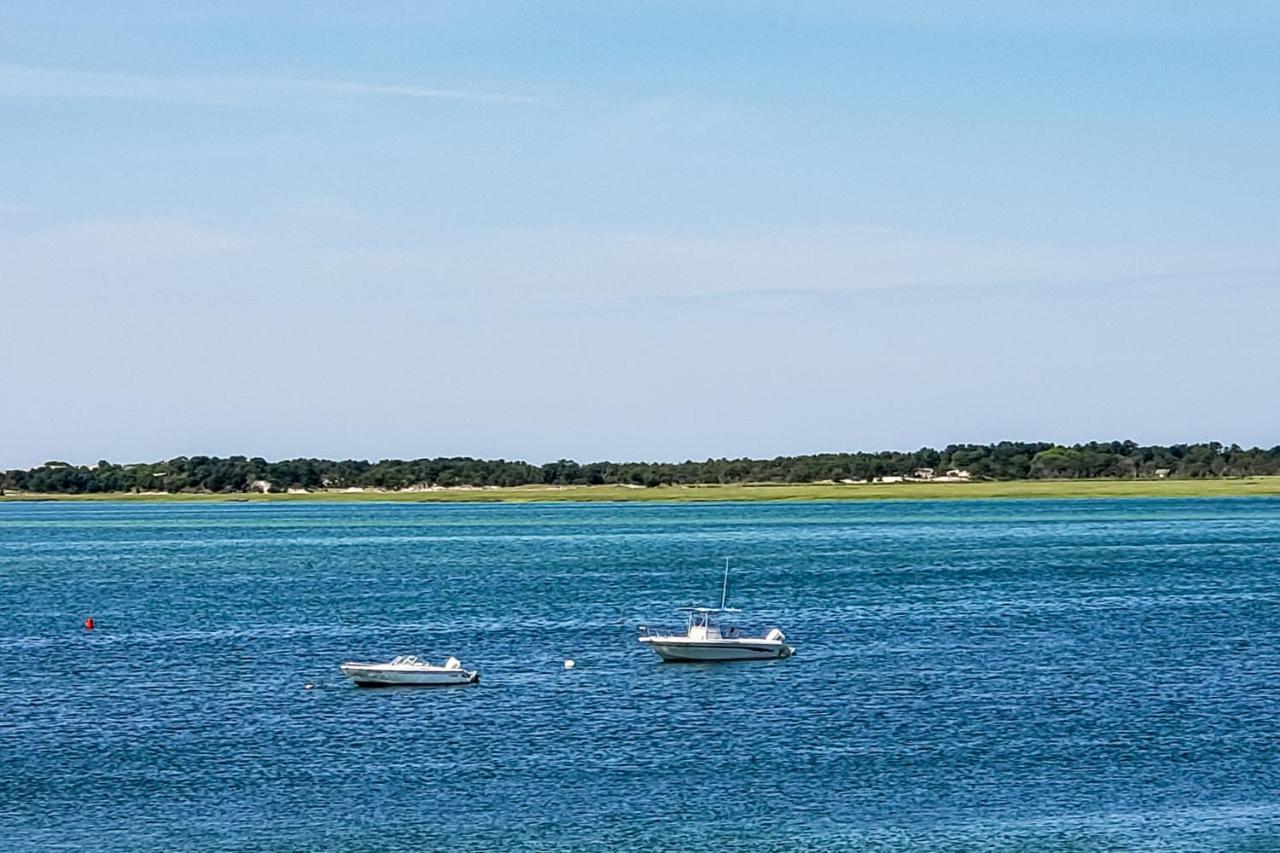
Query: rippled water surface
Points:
[1006, 675]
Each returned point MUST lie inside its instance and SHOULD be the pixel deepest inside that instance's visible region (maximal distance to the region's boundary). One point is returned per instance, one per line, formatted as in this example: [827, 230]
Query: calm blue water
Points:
[1007, 675]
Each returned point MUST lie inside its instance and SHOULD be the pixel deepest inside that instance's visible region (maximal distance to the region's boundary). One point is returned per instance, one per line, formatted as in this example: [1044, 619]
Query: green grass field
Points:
[753, 492]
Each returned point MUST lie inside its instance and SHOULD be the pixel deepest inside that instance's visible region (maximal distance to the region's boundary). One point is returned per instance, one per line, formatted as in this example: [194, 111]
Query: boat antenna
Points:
[724, 590]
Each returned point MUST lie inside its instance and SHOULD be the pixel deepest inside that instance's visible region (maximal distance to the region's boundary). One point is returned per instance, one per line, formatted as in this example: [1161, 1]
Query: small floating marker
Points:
[88, 624]
[568, 664]
[308, 686]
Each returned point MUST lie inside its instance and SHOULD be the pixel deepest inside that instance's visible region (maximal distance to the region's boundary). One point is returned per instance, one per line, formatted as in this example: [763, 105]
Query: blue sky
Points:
[634, 230]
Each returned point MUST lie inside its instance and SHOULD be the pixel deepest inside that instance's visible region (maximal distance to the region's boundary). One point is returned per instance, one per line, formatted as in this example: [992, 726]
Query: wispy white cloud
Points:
[18, 81]
[330, 255]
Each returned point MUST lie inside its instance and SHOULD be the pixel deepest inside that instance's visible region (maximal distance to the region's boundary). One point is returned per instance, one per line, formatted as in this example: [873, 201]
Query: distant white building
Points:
[260, 486]
[958, 473]
[1162, 473]
[922, 474]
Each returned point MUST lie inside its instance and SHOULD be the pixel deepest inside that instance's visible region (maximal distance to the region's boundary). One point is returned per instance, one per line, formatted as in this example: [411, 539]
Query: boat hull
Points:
[683, 650]
[365, 675]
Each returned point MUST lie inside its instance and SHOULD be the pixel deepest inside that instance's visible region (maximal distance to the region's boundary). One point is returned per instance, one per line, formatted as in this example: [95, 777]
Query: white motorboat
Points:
[406, 671]
[706, 640]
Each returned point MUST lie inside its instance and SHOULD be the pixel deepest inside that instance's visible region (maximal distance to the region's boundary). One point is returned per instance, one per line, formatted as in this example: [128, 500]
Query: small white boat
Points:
[406, 671]
[705, 640]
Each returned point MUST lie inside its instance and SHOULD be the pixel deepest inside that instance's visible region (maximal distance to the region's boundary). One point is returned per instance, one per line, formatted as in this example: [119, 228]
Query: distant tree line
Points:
[1007, 460]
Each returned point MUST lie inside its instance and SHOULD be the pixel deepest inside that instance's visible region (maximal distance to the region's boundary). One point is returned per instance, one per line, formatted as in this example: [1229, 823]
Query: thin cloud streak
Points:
[51, 83]
[1207, 284]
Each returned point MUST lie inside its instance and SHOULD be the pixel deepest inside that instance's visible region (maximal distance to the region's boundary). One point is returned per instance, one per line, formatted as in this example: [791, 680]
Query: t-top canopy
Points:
[710, 609]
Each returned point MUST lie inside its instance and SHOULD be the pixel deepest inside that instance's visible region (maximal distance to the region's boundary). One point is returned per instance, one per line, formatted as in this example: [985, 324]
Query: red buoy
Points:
[88, 624]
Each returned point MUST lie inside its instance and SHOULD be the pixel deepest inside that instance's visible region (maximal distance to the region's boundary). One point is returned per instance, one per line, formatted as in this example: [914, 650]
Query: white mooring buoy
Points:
[568, 664]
